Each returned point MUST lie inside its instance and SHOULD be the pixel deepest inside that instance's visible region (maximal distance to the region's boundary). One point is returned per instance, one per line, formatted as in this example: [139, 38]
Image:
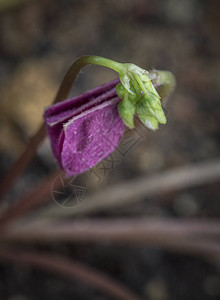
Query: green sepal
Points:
[121, 91]
[125, 80]
[145, 116]
[153, 105]
[126, 111]
[149, 85]
[150, 112]
[137, 90]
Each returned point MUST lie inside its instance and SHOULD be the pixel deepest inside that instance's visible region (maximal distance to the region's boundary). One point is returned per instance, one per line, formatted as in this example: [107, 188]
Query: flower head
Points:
[85, 129]
[139, 95]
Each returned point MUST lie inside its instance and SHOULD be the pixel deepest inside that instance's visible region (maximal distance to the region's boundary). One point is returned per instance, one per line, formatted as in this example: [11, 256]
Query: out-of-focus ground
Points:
[38, 41]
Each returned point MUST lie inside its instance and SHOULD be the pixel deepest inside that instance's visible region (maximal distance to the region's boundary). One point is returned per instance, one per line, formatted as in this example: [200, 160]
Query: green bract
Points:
[138, 95]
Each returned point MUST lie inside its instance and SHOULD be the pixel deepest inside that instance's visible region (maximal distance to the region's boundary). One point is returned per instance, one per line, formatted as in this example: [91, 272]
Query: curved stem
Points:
[75, 68]
[70, 269]
[22, 162]
[39, 195]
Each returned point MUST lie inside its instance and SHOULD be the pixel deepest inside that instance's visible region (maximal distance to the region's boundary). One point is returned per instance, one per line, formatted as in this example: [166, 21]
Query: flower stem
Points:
[70, 269]
[75, 68]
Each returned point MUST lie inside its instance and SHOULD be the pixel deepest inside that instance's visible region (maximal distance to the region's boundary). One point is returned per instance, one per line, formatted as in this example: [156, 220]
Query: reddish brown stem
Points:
[22, 162]
[38, 196]
[70, 269]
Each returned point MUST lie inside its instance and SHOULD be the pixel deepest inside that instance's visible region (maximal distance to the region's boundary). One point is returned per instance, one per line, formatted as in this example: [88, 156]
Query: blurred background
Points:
[38, 42]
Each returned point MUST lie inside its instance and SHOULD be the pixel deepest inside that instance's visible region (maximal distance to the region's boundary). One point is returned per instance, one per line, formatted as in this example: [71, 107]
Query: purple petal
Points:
[91, 137]
[66, 109]
[58, 114]
[85, 129]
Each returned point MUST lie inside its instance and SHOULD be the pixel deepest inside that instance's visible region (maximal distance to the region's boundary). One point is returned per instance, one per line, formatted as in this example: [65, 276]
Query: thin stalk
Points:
[70, 269]
[22, 162]
[38, 196]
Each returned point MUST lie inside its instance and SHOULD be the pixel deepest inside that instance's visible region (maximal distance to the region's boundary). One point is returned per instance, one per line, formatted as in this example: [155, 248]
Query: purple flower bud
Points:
[85, 129]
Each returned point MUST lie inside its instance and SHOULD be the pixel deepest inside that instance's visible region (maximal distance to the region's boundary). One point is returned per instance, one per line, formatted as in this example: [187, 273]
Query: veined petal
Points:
[98, 104]
[91, 137]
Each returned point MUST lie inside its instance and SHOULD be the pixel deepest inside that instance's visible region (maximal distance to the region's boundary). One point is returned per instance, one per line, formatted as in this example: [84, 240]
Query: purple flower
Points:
[85, 129]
